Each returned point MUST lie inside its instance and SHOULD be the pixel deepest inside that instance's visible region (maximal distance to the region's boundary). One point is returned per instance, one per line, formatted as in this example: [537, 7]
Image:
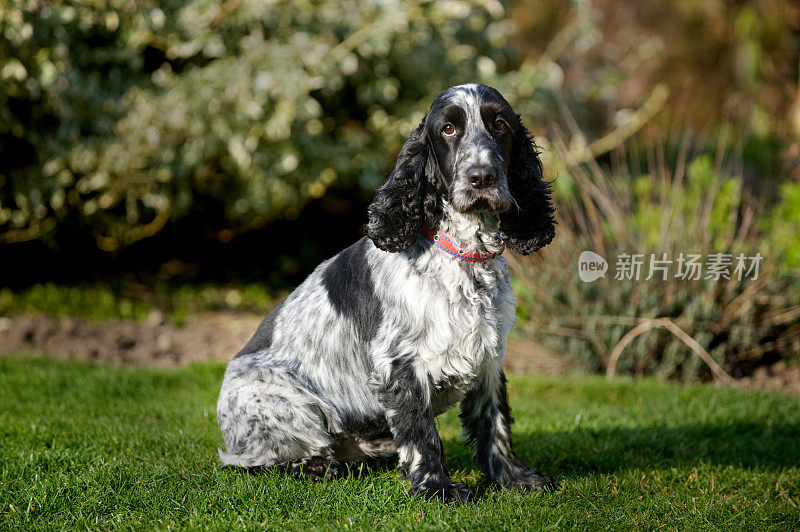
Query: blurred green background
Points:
[185, 156]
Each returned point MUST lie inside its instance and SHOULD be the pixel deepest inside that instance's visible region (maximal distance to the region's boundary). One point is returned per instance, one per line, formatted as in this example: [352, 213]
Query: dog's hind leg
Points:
[268, 420]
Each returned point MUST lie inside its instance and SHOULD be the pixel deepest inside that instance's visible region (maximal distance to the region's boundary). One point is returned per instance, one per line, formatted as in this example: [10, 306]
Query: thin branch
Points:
[668, 324]
[36, 230]
[648, 110]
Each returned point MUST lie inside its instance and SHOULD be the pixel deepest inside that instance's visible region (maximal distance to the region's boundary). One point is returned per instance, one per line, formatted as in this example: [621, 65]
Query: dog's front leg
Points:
[486, 418]
[411, 420]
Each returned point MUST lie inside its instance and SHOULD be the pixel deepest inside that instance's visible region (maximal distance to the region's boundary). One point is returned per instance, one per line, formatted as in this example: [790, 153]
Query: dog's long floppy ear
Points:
[399, 209]
[530, 224]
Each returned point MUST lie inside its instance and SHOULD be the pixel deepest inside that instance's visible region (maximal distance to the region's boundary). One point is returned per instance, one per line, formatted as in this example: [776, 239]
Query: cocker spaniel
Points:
[359, 360]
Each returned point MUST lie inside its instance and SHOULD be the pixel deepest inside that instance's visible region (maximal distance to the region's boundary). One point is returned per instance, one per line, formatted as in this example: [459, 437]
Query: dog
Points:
[358, 361]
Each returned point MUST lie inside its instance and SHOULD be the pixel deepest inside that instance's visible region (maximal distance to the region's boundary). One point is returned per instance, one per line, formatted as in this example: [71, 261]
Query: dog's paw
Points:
[530, 480]
[447, 492]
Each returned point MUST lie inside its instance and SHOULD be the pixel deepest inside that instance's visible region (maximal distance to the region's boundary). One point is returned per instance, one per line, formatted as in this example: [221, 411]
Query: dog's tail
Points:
[243, 460]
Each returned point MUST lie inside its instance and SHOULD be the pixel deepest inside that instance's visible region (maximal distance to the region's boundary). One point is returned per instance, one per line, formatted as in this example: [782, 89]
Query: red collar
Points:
[440, 240]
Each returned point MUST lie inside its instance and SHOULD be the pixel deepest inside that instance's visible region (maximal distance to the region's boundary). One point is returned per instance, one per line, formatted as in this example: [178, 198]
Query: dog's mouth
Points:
[494, 197]
[492, 200]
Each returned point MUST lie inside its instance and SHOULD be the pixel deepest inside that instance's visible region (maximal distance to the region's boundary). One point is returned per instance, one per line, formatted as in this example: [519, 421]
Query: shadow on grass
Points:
[582, 451]
[610, 450]
[578, 452]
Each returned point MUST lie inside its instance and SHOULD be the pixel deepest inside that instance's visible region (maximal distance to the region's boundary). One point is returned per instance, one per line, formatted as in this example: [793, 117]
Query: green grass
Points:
[102, 447]
[128, 301]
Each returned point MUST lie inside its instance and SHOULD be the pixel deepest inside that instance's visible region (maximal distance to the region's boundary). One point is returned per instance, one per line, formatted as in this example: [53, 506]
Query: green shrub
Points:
[699, 210]
[782, 224]
[118, 117]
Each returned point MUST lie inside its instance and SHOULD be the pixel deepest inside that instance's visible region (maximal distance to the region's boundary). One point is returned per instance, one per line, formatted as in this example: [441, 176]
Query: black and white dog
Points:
[359, 360]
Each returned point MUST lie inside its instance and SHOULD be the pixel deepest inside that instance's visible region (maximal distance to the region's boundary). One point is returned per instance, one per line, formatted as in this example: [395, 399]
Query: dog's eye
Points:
[449, 130]
[500, 125]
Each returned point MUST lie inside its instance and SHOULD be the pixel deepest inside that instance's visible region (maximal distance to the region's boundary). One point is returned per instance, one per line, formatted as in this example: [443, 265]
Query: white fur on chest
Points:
[449, 318]
[465, 322]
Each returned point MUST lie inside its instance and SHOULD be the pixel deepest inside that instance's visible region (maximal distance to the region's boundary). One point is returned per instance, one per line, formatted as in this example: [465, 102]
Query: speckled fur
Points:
[379, 340]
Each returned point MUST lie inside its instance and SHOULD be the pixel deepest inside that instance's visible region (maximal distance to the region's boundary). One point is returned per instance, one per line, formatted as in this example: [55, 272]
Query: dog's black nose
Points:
[481, 176]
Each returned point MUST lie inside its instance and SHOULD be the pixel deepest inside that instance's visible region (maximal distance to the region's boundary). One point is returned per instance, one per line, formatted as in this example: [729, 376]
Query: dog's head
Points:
[472, 150]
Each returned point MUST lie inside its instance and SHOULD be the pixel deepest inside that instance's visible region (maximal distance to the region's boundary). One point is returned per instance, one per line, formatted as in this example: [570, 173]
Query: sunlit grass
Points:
[100, 302]
[95, 446]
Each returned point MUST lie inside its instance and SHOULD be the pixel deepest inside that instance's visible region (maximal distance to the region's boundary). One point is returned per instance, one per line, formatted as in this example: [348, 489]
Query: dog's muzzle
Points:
[481, 187]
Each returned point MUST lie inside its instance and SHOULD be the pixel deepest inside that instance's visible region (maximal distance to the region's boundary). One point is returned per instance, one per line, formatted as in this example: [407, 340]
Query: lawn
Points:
[88, 446]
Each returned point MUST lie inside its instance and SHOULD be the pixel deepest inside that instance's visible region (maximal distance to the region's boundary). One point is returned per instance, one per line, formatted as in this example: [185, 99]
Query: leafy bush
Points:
[783, 224]
[117, 118]
[698, 209]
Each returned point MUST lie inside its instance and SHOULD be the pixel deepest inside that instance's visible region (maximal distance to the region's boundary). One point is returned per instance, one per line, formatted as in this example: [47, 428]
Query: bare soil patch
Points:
[220, 335]
[776, 376]
[208, 336]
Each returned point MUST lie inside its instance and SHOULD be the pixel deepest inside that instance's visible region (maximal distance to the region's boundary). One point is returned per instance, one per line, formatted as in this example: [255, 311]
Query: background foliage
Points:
[740, 322]
[664, 126]
[120, 117]
[127, 116]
